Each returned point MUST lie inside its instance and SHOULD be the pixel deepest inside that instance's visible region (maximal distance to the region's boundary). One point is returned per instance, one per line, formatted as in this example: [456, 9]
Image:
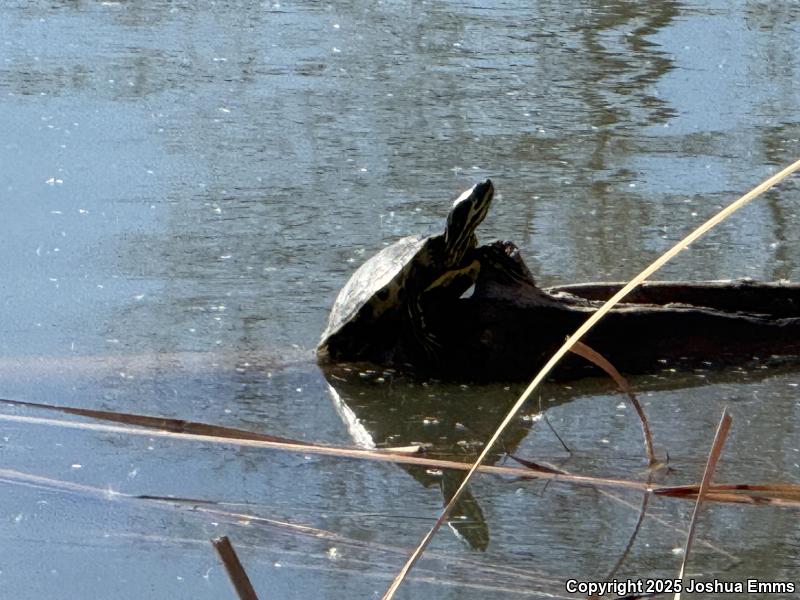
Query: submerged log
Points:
[509, 327]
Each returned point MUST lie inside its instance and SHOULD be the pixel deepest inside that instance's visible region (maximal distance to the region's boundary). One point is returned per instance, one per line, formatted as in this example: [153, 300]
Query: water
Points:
[185, 187]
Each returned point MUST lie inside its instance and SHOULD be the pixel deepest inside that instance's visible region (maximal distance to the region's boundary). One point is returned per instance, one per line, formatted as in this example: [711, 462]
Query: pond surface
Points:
[186, 185]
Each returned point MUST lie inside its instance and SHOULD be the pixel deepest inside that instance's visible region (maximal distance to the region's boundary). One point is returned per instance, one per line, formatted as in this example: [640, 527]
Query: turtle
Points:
[388, 289]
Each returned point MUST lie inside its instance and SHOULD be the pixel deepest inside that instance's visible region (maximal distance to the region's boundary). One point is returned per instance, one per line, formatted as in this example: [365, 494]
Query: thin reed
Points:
[711, 466]
[233, 566]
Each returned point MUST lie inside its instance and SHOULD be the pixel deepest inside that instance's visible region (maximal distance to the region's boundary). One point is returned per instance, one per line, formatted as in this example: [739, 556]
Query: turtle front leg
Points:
[451, 284]
[422, 333]
[437, 297]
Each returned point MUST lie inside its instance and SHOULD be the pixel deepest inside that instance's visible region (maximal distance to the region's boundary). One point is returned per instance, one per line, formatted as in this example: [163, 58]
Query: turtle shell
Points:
[376, 285]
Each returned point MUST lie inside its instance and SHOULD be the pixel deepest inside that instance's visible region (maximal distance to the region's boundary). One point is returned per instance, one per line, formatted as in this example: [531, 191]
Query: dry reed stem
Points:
[565, 347]
[711, 465]
[755, 492]
[356, 453]
[782, 494]
[601, 361]
[236, 573]
[182, 426]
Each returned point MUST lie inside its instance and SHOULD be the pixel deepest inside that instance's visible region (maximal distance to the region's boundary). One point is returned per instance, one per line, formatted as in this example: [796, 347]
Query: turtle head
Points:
[469, 209]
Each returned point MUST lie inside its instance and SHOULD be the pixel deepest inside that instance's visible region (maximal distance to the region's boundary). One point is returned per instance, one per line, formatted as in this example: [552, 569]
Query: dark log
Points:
[774, 300]
[508, 328]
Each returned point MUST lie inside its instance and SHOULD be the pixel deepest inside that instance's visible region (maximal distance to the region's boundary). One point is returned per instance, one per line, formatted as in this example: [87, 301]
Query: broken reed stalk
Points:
[782, 491]
[236, 573]
[711, 465]
[601, 361]
[182, 426]
[565, 347]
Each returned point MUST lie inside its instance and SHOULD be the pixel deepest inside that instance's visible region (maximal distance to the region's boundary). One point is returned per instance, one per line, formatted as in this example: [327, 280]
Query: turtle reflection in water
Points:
[384, 301]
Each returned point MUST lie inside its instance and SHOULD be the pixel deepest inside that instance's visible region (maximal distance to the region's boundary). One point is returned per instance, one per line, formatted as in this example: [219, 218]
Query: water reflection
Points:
[449, 422]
